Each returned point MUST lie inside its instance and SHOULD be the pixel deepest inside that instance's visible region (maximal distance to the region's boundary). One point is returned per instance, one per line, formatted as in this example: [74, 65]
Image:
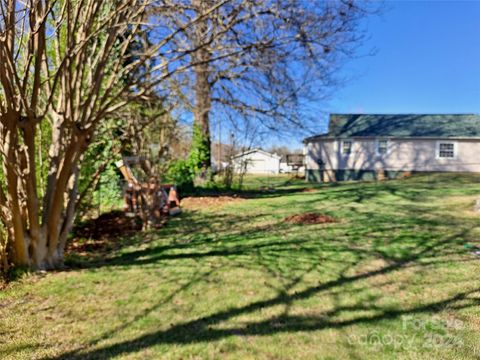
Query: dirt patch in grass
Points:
[108, 226]
[103, 233]
[202, 202]
[309, 218]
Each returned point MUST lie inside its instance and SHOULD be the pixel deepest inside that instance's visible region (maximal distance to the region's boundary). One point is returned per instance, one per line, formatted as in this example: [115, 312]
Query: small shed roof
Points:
[247, 152]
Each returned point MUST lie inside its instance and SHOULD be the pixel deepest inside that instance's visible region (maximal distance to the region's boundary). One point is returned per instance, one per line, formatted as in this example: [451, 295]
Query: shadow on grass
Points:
[416, 188]
[249, 193]
[266, 187]
[418, 243]
[191, 230]
[203, 329]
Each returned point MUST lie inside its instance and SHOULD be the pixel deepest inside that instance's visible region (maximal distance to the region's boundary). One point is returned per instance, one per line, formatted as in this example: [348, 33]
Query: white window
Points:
[382, 147]
[446, 150]
[346, 147]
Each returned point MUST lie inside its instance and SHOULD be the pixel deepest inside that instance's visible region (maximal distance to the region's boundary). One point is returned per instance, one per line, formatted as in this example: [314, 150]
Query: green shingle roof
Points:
[403, 125]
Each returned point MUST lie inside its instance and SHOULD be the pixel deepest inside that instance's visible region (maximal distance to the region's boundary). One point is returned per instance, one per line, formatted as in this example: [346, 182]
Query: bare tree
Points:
[64, 68]
[60, 65]
[262, 61]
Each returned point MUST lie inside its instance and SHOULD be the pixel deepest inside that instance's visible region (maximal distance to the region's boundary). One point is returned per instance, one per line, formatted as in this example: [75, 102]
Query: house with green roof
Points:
[376, 146]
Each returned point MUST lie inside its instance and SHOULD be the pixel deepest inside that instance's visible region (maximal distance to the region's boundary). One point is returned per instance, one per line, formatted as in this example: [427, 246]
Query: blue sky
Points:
[427, 60]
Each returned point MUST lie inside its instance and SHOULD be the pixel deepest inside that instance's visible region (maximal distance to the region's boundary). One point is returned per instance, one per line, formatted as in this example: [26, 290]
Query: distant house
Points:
[367, 146]
[292, 163]
[257, 161]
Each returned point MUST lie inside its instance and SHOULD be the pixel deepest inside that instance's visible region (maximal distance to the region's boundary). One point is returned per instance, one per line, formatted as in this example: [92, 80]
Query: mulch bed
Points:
[310, 218]
[103, 232]
[108, 226]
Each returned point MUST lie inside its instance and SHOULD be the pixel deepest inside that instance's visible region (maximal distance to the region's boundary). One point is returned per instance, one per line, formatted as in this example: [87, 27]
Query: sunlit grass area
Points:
[394, 277]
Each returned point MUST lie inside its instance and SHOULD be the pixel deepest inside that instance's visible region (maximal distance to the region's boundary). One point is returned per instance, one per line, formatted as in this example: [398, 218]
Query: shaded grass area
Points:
[253, 186]
[392, 278]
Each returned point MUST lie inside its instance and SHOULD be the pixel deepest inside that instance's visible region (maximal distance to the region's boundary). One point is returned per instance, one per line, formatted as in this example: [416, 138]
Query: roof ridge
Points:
[402, 114]
[404, 125]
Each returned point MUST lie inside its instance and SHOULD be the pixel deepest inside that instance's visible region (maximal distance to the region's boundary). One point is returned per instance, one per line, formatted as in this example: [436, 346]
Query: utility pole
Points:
[219, 160]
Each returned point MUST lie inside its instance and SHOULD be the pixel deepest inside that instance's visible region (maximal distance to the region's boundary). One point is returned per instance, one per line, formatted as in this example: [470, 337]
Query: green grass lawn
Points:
[393, 278]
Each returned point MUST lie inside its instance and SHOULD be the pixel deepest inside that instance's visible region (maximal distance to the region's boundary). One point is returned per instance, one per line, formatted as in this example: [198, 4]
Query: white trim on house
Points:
[377, 147]
[455, 150]
[342, 142]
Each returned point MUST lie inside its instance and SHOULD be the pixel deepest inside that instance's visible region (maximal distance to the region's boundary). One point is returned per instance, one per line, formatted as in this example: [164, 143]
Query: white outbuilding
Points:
[256, 161]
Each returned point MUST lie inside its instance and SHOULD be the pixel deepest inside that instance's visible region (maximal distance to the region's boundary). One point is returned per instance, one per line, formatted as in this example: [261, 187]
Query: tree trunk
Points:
[69, 79]
[202, 120]
[203, 93]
